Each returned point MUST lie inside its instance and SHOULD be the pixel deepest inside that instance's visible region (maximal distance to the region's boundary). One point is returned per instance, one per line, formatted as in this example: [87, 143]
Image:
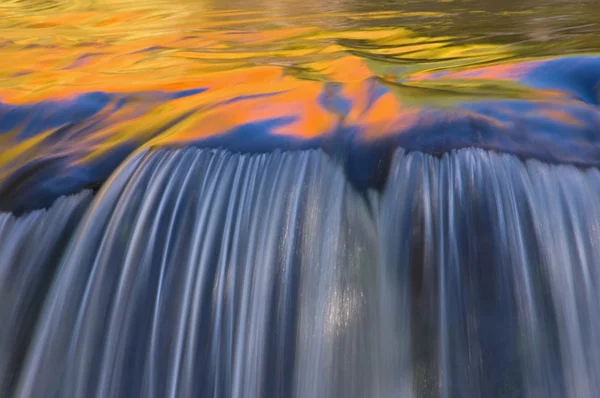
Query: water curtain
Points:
[206, 273]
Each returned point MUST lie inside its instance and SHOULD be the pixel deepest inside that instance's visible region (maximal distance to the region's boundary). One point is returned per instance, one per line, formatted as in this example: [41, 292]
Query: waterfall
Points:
[495, 260]
[30, 248]
[204, 273]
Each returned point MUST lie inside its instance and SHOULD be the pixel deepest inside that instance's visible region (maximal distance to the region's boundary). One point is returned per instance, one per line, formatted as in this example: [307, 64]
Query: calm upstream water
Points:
[85, 84]
[300, 199]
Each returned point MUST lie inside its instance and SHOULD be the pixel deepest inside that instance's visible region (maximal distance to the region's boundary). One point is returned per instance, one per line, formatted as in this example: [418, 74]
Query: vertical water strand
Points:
[287, 299]
[397, 220]
[236, 272]
[221, 340]
[448, 285]
[167, 230]
[200, 303]
[123, 351]
[531, 335]
[169, 217]
[467, 336]
[31, 247]
[473, 303]
[274, 261]
[103, 292]
[503, 251]
[190, 274]
[485, 241]
[280, 176]
[339, 264]
[437, 203]
[254, 319]
[248, 369]
[585, 226]
[431, 328]
[559, 264]
[171, 318]
[539, 370]
[314, 363]
[561, 224]
[46, 359]
[282, 309]
[246, 270]
[581, 209]
[357, 357]
[409, 240]
[171, 276]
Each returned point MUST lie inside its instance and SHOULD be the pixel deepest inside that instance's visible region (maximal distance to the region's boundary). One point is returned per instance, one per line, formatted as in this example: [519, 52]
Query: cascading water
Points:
[494, 258]
[299, 199]
[31, 246]
[203, 273]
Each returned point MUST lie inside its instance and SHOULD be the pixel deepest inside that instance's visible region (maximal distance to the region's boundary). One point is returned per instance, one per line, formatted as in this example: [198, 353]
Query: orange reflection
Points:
[179, 73]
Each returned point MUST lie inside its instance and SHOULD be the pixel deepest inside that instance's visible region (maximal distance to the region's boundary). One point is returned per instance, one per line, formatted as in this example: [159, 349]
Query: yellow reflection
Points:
[281, 56]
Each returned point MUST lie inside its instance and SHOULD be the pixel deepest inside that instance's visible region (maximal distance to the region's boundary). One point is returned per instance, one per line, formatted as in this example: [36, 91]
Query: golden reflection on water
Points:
[271, 60]
[56, 53]
[56, 49]
[73, 52]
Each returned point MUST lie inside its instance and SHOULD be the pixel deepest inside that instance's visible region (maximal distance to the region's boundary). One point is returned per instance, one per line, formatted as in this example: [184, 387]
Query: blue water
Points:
[207, 273]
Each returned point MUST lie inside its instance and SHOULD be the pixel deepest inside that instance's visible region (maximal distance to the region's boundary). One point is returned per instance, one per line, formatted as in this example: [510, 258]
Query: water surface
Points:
[84, 84]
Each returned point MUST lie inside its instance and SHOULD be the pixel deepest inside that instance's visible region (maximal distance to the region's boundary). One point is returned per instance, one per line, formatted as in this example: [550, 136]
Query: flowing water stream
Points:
[299, 199]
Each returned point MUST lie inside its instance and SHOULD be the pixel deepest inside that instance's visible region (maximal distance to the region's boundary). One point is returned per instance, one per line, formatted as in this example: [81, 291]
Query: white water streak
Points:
[201, 273]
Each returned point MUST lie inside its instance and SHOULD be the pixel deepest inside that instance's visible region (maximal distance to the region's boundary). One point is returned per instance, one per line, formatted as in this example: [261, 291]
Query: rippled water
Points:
[54, 48]
[83, 84]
